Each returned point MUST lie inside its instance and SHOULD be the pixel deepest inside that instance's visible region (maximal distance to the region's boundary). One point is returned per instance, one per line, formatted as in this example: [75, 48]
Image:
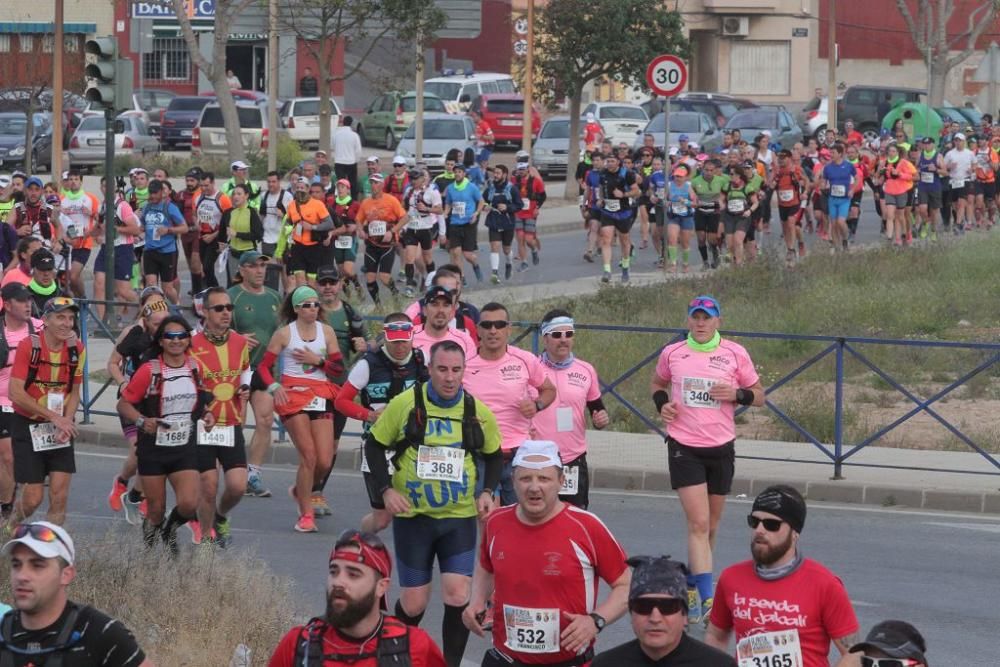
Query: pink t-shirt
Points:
[13, 339]
[702, 421]
[423, 342]
[565, 421]
[16, 275]
[502, 384]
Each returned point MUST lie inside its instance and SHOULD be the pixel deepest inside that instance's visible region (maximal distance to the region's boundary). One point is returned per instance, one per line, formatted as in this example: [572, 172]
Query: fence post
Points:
[838, 417]
[534, 340]
[85, 385]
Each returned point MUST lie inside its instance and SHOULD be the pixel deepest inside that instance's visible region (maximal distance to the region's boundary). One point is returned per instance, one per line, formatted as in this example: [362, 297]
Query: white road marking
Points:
[985, 527]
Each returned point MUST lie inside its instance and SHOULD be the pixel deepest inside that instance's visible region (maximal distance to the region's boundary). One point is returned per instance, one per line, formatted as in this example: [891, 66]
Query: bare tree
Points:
[27, 97]
[226, 13]
[929, 30]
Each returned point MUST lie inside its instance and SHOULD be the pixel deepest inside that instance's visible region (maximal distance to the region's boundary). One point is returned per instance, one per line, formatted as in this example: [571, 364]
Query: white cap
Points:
[522, 156]
[766, 133]
[674, 151]
[137, 170]
[372, 158]
[590, 117]
[65, 175]
[694, 145]
[537, 454]
[239, 164]
[959, 136]
[61, 546]
[399, 159]
[5, 180]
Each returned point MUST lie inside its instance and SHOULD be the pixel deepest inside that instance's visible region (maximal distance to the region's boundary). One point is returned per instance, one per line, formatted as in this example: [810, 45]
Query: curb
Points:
[626, 479]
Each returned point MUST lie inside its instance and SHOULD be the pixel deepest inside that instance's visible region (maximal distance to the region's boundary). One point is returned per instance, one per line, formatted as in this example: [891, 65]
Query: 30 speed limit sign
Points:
[666, 75]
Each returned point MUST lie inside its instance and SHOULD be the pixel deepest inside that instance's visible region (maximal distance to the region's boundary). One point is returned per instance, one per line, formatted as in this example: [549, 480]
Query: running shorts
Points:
[690, 466]
[420, 539]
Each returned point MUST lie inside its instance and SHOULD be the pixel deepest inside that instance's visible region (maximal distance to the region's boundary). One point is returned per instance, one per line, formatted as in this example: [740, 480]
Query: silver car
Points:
[697, 126]
[132, 139]
[209, 134]
[442, 132]
[549, 154]
[785, 133]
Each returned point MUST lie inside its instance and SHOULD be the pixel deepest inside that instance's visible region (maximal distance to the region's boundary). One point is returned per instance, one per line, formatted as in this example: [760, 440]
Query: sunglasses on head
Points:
[176, 335]
[703, 303]
[888, 662]
[666, 606]
[354, 536]
[218, 308]
[399, 326]
[40, 533]
[770, 525]
[494, 324]
[309, 304]
[562, 334]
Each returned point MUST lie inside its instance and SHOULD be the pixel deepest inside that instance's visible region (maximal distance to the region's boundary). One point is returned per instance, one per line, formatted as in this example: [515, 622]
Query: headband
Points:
[561, 321]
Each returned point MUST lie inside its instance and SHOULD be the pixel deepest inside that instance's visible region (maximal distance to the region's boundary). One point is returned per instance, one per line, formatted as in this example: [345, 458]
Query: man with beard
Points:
[779, 602]
[354, 630]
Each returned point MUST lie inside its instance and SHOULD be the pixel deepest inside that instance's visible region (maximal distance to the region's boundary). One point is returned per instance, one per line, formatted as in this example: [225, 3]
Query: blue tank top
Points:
[930, 181]
[680, 199]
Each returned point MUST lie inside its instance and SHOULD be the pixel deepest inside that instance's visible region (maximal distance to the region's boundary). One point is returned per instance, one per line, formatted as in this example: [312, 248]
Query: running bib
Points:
[442, 463]
[220, 436]
[612, 205]
[736, 205]
[564, 419]
[55, 401]
[957, 183]
[43, 437]
[318, 404]
[177, 435]
[531, 630]
[458, 208]
[376, 228]
[696, 393]
[786, 195]
[838, 190]
[679, 209]
[74, 232]
[926, 177]
[344, 242]
[660, 193]
[206, 218]
[770, 649]
[571, 481]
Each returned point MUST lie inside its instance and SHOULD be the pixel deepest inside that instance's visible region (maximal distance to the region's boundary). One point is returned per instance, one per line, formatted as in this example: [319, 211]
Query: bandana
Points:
[558, 365]
[376, 559]
[704, 347]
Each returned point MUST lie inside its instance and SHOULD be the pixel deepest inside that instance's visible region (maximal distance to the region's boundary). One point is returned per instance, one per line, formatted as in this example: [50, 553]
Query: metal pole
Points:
[272, 85]
[838, 417]
[110, 190]
[418, 132]
[57, 94]
[529, 81]
[831, 48]
[666, 136]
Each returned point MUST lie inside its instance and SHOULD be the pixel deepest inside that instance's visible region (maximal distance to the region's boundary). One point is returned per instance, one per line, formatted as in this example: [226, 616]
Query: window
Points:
[472, 90]
[71, 43]
[4, 43]
[48, 42]
[759, 67]
[490, 87]
[506, 85]
[27, 43]
[169, 60]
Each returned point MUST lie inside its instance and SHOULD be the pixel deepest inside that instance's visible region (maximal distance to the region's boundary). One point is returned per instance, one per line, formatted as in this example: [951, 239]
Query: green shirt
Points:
[435, 498]
[337, 319]
[255, 314]
[708, 191]
[755, 184]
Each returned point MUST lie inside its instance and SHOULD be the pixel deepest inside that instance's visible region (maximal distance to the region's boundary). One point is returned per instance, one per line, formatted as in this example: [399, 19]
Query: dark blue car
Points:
[12, 135]
[179, 120]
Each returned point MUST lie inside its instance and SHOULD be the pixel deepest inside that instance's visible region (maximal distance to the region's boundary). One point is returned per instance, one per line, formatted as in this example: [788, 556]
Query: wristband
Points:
[744, 396]
[140, 422]
[538, 406]
[273, 387]
[660, 398]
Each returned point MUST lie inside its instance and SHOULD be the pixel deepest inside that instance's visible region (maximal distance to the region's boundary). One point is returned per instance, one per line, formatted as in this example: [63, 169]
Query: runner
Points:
[503, 202]
[862, 175]
[696, 386]
[6, 201]
[897, 181]
[485, 142]
[241, 176]
[531, 188]
[790, 184]
[426, 211]
[463, 202]
[273, 206]
[380, 218]
[44, 390]
[309, 220]
[680, 202]
[839, 177]
[43, 285]
[46, 628]
[659, 620]
[127, 228]
[209, 209]
[505, 378]
[929, 193]
[889, 644]
[354, 631]
[544, 609]
[310, 357]
[80, 210]
[578, 393]
[466, 315]
[811, 606]
[959, 162]
[163, 223]
[365, 182]
[654, 188]
[708, 187]
[378, 377]
[164, 398]
[741, 204]
[33, 216]
[191, 242]
[987, 164]
[618, 185]
[345, 241]
[433, 492]
[241, 228]
[436, 318]
[398, 182]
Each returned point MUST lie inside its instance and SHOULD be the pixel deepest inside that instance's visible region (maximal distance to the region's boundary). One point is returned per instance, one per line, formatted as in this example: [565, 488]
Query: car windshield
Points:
[188, 103]
[446, 90]
[91, 124]
[430, 104]
[748, 120]
[555, 129]
[250, 117]
[505, 106]
[505, 85]
[679, 122]
[440, 129]
[622, 113]
[13, 126]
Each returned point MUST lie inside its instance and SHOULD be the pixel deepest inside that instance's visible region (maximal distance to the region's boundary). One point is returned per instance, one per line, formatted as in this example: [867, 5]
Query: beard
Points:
[353, 611]
[766, 555]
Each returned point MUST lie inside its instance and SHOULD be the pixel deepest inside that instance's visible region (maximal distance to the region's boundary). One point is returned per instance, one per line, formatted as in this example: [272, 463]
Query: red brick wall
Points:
[491, 51]
[35, 68]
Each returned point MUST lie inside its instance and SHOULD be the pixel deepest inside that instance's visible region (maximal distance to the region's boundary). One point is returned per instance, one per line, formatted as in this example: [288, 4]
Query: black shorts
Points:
[228, 457]
[581, 498]
[706, 222]
[690, 466]
[737, 223]
[159, 264]
[422, 237]
[257, 383]
[987, 189]
[504, 236]
[464, 237]
[314, 415]
[5, 420]
[154, 460]
[379, 259]
[31, 467]
[786, 212]
[80, 255]
[959, 193]
[911, 198]
[309, 258]
[930, 198]
[622, 225]
[856, 198]
[123, 259]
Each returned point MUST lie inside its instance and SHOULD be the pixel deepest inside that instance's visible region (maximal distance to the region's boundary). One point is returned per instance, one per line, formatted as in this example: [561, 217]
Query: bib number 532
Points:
[530, 636]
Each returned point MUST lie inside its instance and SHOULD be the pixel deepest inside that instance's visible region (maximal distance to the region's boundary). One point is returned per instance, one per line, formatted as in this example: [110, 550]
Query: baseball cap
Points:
[460, 166]
[928, 140]
[52, 199]
[657, 575]
[34, 180]
[64, 176]
[680, 171]
[537, 454]
[15, 292]
[590, 117]
[399, 159]
[137, 170]
[252, 257]
[58, 304]
[46, 539]
[376, 178]
[194, 172]
[522, 156]
[318, 153]
[5, 180]
[302, 294]
[372, 158]
[346, 183]
[44, 260]
[327, 273]
[959, 136]
[897, 639]
[438, 292]
[701, 157]
[239, 164]
[683, 137]
[707, 304]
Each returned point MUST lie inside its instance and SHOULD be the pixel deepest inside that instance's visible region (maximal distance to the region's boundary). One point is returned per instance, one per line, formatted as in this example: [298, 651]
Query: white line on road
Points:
[985, 527]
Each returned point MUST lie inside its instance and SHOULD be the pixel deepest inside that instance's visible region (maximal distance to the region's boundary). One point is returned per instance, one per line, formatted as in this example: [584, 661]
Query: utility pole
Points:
[272, 85]
[57, 94]
[418, 132]
[529, 74]
[831, 48]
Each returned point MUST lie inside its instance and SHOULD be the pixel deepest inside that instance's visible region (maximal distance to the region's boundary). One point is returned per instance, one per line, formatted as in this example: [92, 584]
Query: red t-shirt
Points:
[812, 601]
[537, 587]
[423, 651]
[52, 374]
[529, 188]
[222, 367]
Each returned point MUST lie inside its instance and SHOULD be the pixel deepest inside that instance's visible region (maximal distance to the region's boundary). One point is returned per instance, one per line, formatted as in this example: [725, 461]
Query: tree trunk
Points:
[573, 155]
[938, 80]
[227, 104]
[29, 137]
[324, 97]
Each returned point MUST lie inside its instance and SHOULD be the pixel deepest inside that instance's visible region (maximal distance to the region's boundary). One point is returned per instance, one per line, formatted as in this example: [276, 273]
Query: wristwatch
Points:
[598, 621]
[140, 421]
[539, 406]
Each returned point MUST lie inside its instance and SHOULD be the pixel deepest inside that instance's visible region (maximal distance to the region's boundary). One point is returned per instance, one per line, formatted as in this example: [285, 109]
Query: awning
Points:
[46, 28]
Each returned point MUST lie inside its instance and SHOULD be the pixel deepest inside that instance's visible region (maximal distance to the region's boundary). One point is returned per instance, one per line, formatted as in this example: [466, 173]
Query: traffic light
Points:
[112, 75]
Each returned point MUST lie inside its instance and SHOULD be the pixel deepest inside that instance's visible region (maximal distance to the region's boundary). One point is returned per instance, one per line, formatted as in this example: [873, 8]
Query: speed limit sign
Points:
[666, 75]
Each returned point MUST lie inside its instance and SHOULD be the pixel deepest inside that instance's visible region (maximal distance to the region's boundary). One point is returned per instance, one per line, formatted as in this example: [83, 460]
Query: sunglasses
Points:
[176, 335]
[40, 533]
[399, 326]
[328, 281]
[354, 536]
[887, 662]
[770, 525]
[309, 304]
[703, 303]
[562, 334]
[494, 324]
[228, 307]
[666, 606]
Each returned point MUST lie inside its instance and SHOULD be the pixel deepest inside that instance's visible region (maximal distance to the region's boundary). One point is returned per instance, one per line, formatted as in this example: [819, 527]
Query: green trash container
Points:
[919, 120]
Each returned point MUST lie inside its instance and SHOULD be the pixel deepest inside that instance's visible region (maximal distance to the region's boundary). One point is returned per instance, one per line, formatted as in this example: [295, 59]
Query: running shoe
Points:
[923, 231]
[588, 257]
[144, 508]
[495, 278]
[706, 610]
[660, 263]
[408, 292]
[625, 275]
[705, 266]
[170, 539]
[115, 497]
[534, 257]
[256, 488]
[195, 527]
[693, 607]
[606, 277]
[222, 532]
[133, 511]
[508, 271]
[523, 267]
[934, 237]
[305, 524]
[320, 506]
[479, 272]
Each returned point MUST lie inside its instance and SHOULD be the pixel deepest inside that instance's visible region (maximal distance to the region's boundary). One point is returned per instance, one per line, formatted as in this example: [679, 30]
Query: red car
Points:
[505, 114]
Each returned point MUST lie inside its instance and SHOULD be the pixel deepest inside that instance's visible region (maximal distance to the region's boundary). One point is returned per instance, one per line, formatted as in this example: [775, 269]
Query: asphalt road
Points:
[936, 570]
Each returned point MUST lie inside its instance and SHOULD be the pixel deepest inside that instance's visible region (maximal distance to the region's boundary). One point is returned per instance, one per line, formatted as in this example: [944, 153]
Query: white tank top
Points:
[294, 369]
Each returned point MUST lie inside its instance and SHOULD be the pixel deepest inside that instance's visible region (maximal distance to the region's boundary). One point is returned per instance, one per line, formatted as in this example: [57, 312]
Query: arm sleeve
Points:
[345, 405]
[224, 224]
[492, 469]
[375, 455]
[264, 369]
[325, 225]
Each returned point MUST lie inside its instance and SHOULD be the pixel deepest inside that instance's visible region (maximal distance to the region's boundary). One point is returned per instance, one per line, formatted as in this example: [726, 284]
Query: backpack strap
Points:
[309, 647]
[155, 377]
[34, 361]
[393, 648]
[416, 423]
[473, 438]
[6, 631]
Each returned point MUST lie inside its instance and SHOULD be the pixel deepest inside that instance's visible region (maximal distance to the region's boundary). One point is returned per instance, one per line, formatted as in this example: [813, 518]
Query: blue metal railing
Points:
[842, 347]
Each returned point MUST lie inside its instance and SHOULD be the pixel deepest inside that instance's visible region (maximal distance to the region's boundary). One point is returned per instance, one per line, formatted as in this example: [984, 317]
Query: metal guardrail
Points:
[842, 347]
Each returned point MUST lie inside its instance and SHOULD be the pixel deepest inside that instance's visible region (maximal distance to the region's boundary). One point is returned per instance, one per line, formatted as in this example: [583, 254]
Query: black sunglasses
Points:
[494, 324]
[353, 535]
[887, 662]
[561, 334]
[221, 307]
[770, 525]
[176, 335]
[666, 606]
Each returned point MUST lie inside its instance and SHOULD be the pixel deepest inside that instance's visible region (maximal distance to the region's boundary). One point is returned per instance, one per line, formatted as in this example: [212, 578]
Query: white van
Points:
[458, 90]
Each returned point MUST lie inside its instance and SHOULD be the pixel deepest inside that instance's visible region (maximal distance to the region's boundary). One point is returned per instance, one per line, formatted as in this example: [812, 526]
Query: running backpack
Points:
[36, 359]
[391, 650]
[280, 204]
[473, 438]
[153, 397]
[51, 657]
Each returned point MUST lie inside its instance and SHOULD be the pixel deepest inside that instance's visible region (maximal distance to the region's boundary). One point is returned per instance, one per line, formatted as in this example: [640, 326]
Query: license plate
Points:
[218, 137]
[185, 133]
[95, 142]
[311, 123]
[510, 123]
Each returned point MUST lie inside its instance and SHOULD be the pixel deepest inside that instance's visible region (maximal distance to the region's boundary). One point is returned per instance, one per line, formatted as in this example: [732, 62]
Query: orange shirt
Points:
[304, 217]
[899, 177]
[221, 367]
[53, 370]
[385, 209]
[789, 186]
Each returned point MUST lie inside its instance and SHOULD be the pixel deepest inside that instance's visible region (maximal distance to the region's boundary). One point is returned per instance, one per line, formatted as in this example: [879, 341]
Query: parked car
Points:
[300, 116]
[241, 95]
[698, 127]
[550, 152]
[620, 121]
[209, 134]
[149, 103]
[442, 132]
[13, 125]
[132, 139]
[458, 90]
[952, 115]
[388, 116]
[719, 106]
[15, 99]
[861, 104]
[774, 119]
[178, 119]
[505, 114]
[814, 115]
